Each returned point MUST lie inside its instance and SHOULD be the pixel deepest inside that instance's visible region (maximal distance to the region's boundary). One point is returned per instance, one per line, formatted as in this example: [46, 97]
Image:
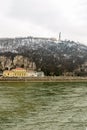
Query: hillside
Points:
[47, 54]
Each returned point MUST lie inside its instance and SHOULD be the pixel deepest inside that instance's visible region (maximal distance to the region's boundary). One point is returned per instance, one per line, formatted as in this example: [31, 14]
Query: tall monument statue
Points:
[60, 36]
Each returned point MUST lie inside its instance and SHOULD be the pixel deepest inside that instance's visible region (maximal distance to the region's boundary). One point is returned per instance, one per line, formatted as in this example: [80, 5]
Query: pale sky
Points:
[44, 18]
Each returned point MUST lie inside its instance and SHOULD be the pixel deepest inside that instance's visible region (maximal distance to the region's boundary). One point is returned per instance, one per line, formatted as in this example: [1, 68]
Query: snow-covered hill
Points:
[49, 55]
[50, 44]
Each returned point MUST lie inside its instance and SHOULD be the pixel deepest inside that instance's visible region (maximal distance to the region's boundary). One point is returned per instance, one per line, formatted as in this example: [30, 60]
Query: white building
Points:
[31, 73]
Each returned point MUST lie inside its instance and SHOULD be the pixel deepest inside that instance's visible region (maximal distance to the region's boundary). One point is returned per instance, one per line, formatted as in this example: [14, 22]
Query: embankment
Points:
[44, 79]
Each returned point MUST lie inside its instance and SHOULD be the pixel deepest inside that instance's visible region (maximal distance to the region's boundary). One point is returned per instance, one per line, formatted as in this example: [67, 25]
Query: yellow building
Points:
[8, 73]
[18, 72]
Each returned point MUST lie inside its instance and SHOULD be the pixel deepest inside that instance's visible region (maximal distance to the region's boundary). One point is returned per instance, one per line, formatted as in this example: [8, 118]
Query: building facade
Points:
[20, 72]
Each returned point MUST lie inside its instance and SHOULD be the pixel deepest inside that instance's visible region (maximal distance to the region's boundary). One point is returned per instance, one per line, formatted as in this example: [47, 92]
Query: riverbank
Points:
[44, 79]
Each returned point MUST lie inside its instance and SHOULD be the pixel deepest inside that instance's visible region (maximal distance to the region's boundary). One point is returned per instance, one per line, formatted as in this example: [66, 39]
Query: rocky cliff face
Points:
[18, 61]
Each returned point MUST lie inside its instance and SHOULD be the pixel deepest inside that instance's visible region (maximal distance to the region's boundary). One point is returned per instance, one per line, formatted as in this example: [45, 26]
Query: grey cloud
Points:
[44, 13]
[67, 16]
[39, 12]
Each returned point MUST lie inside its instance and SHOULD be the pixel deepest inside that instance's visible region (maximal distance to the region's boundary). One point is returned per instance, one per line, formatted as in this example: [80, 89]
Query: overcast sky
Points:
[44, 18]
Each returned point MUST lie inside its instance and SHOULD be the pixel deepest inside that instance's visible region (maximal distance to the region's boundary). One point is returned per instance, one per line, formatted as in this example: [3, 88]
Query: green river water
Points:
[43, 106]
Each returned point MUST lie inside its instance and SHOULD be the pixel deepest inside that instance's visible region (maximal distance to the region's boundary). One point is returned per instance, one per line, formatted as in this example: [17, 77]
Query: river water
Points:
[43, 106]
